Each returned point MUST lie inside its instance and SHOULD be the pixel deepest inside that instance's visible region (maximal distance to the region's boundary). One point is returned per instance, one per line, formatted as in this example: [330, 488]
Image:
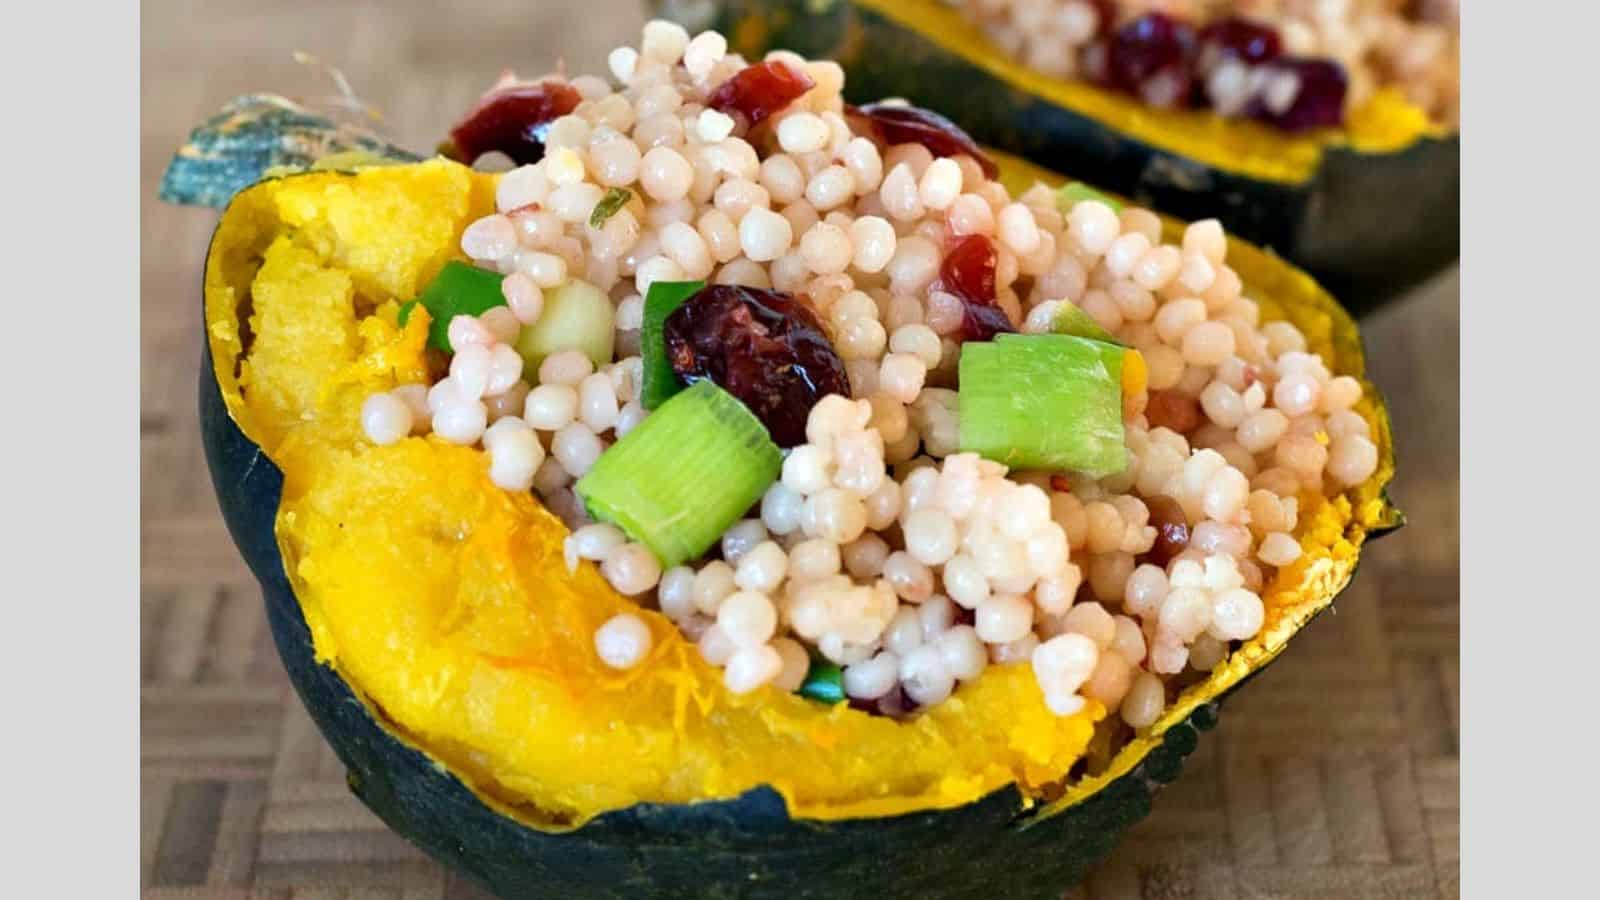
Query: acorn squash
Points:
[1369, 210]
[431, 629]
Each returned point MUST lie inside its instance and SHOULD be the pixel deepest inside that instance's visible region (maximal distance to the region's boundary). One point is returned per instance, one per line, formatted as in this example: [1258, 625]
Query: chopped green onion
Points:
[824, 682]
[1044, 401]
[614, 200]
[458, 290]
[1074, 192]
[683, 475]
[660, 380]
[577, 316]
[1070, 319]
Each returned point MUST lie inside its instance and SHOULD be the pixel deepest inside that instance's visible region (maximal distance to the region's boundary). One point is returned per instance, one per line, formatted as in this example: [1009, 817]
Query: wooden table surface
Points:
[1334, 775]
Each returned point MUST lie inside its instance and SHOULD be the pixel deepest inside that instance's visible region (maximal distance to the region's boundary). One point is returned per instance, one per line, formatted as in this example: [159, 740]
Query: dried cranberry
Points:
[1318, 102]
[1152, 57]
[1105, 14]
[513, 120]
[764, 347]
[1172, 530]
[896, 704]
[914, 125]
[1173, 409]
[1236, 38]
[968, 273]
[756, 92]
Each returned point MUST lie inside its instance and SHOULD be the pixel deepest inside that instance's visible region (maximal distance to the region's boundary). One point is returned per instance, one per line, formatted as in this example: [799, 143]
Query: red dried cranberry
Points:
[1172, 530]
[764, 347]
[513, 120]
[968, 273]
[1173, 409]
[1105, 14]
[1237, 38]
[1152, 57]
[1319, 101]
[756, 92]
[915, 125]
[896, 704]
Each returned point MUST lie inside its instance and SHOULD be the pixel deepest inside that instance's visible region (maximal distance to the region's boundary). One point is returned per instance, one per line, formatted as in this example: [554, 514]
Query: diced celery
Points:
[687, 472]
[660, 381]
[577, 316]
[1074, 192]
[1044, 401]
[459, 289]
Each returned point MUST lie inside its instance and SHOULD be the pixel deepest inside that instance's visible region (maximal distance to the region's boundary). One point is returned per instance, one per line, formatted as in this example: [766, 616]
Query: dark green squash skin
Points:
[1366, 226]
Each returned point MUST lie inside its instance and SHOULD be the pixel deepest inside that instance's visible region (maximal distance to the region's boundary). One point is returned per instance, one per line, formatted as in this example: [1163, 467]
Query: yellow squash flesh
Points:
[444, 602]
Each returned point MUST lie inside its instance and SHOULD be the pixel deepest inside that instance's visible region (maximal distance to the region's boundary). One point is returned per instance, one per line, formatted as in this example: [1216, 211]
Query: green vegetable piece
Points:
[1074, 192]
[615, 199]
[683, 475]
[577, 316]
[1044, 401]
[1070, 319]
[824, 682]
[660, 380]
[459, 289]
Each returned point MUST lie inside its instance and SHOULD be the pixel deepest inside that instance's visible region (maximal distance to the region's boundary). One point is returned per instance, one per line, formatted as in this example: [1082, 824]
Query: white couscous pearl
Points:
[748, 618]
[461, 422]
[675, 593]
[1143, 703]
[631, 568]
[930, 536]
[872, 678]
[925, 677]
[1004, 618]
[764, 235]
[597, 402]
[740, 538]
[762, 568]
[385, 418]
[623, 641]
[1237, 614]
[796, 663]
[515, 456]
[551, 407]
[751, 667]
[577, 448]
[568, 367]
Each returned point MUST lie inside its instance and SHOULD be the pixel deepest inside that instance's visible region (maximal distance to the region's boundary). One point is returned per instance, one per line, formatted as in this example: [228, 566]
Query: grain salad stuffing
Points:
[804, 378]
[1294, 64]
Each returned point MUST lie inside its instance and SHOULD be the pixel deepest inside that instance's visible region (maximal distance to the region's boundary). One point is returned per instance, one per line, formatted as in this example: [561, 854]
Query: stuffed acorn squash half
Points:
[1368, 201]
[896, 550]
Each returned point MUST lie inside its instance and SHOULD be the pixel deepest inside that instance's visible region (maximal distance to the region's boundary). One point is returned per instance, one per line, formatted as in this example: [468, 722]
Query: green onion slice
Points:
[1074, 192]
[614, 200]
[1044, 401]
[660, 381]
[687, 472]
[459, 289]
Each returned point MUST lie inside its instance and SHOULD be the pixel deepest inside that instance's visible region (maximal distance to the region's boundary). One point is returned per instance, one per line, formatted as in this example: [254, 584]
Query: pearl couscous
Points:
[878, 549]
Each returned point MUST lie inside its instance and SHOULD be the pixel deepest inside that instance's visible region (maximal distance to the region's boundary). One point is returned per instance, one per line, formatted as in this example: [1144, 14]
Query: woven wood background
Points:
[1334, 775]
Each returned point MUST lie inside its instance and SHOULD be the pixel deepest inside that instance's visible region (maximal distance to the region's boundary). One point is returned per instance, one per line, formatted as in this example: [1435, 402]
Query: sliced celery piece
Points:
[459, 289]
[687, 472]
[1070, 319]
[1074, 192]
[1044, 401]
[660, 381]
[577, 316]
